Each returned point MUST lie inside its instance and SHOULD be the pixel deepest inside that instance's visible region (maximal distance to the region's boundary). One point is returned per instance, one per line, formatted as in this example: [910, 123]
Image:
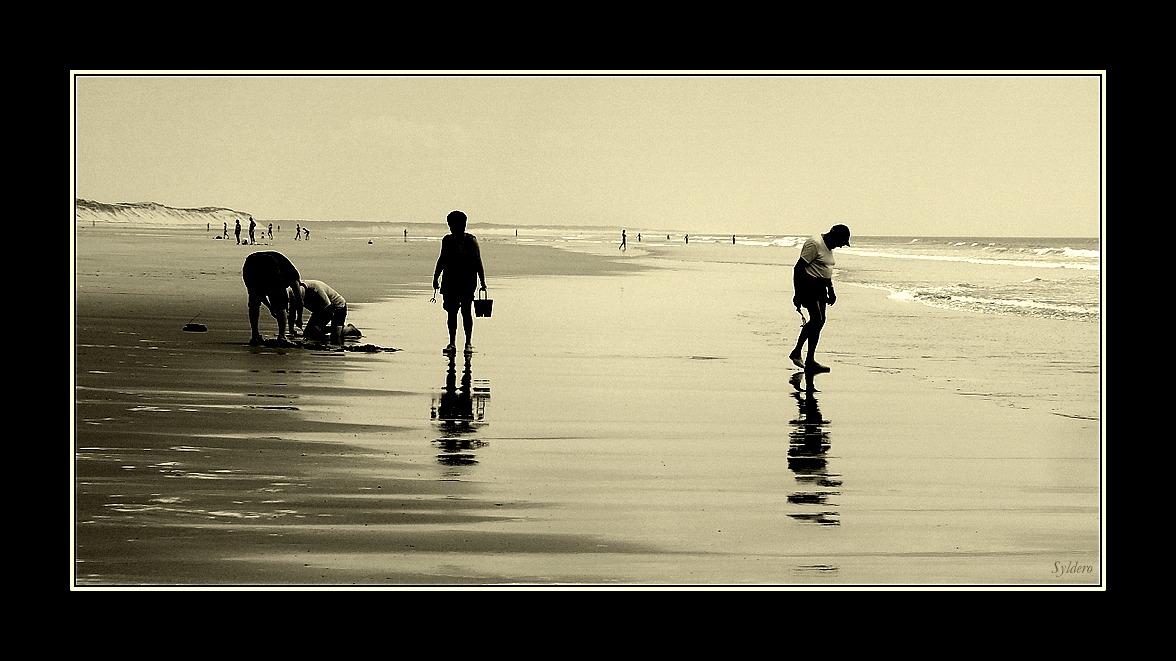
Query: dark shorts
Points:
[453, 302]
[810, 291]
[334, 316]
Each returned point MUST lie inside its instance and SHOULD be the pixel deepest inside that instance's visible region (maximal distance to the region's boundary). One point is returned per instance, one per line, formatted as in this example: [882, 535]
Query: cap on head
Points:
[842, 231]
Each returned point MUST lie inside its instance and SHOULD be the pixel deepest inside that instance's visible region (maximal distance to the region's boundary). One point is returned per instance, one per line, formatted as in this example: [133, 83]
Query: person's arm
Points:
[440, 266]
[478, 259]
[798, 276]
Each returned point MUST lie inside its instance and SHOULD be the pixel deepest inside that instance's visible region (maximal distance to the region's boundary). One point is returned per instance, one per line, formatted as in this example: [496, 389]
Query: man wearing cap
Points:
[812, 278]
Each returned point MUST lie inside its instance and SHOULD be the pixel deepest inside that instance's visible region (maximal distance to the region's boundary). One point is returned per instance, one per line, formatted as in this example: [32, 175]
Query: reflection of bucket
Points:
[482, 306]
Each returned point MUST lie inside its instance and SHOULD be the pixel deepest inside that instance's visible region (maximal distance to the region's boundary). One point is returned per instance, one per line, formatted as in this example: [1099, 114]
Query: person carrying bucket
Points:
[459, 269]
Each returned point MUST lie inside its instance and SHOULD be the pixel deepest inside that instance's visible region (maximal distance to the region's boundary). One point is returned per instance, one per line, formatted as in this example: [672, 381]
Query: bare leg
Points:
[811, 333]
[452, 323]
[467, 318]
[254, 315]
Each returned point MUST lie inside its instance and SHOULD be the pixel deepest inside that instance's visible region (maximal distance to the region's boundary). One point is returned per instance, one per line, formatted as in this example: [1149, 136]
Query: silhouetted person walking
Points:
[459, 269]
[812, 279]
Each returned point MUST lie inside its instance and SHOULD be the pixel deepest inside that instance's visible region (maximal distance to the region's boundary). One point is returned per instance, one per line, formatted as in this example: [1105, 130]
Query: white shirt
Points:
[320, 296]
[819, 257]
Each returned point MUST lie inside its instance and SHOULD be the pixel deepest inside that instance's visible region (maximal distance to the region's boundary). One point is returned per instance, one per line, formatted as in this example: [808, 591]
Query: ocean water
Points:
[1055, 278]
[1051, 277]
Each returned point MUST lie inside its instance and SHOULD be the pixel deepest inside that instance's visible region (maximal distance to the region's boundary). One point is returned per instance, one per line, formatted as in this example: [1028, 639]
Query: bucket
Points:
[482, 306]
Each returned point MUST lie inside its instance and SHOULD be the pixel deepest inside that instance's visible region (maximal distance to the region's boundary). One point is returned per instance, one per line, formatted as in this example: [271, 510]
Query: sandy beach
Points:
[627, 420]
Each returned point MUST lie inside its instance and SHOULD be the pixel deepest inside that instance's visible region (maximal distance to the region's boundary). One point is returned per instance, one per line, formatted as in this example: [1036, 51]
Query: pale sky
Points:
[997, 155]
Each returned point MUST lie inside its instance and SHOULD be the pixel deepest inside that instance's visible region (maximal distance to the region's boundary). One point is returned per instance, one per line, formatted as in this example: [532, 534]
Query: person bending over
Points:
[272, 281]
[812, 280]
[327, 308]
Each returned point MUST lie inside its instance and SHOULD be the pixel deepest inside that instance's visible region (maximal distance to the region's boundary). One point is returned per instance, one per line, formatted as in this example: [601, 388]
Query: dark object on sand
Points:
[196, 328]
[369, 348]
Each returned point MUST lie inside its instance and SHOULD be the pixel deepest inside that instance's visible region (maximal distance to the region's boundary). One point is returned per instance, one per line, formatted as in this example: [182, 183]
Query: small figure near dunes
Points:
[238, 231]
[252, 227]
[272, 281]
[327, 308]
[812, 279]
[459, 269]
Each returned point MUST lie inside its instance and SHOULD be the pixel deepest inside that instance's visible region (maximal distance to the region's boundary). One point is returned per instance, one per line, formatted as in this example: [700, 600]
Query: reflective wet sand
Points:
[618, 429]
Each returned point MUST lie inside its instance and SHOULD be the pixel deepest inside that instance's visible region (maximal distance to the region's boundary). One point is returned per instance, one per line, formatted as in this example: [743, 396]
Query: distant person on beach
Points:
[238, 231]
[812, 279]
[270, 230]
[274, 282]
[459, 269]
[623, 240]
[306, 231]
[252, 226]
[327, 308]
[297, 231]
[226, 229]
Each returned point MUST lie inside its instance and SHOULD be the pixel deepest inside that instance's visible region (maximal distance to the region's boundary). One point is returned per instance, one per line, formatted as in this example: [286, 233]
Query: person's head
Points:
[279, 300]
[457, 221]
[838, 236]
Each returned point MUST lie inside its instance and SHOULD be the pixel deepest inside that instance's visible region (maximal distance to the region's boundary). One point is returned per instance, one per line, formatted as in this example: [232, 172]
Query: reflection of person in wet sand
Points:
[812, 280]
[459, 269]
[456, 403]
[458, 411]
[274, 282]
[327, 308]
[808, 459]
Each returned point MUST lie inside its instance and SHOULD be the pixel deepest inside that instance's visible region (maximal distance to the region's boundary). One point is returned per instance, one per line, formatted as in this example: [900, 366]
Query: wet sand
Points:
[639, 429]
